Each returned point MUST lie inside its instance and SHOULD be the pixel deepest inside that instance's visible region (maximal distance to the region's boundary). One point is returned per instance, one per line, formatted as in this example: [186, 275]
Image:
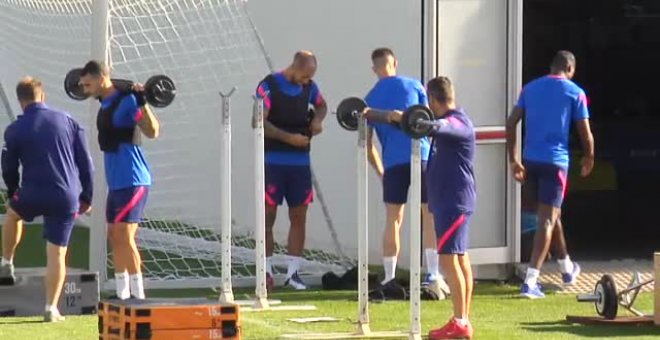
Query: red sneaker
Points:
[270, 283]
[470, 330]
[452, 330]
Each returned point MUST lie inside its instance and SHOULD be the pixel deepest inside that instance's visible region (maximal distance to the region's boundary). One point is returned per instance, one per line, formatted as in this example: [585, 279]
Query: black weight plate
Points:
[72, 85]
[160, 91]
[347, 112]
[608, 303]
[411, 118]
[123, 85]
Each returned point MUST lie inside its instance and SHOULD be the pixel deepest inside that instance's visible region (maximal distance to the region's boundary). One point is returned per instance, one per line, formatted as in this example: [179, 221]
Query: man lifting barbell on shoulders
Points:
[123, 114]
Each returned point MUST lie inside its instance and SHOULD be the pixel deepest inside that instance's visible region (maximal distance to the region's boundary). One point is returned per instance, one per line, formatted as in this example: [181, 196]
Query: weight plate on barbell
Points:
[411, 118]
[608, 303]
[160, 91]
[348, 111]
[72, 85]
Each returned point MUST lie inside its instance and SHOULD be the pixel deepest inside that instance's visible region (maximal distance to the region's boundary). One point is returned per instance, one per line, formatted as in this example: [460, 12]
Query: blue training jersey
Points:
[291, 89]
[51, 148]
[550, 104]
[396, 93]
[450, 183]
[126, 167]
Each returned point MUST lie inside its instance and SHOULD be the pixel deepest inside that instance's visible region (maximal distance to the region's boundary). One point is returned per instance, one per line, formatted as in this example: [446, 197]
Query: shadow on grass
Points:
[19, 322]
[588, 331]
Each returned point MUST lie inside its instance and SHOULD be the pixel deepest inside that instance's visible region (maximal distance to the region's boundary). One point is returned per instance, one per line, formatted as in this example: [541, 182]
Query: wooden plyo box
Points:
[168, 319]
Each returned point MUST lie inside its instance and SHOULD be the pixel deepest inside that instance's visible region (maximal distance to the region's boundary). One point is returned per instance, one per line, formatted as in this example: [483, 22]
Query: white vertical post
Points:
[226, 291]
[515, 84]
[415, 240]
[261, 301]
[97, 234]
[363, 229]
[431, 57]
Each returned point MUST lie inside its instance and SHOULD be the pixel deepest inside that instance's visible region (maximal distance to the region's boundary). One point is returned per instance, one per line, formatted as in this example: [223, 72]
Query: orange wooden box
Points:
[182, 334]
[148, 319]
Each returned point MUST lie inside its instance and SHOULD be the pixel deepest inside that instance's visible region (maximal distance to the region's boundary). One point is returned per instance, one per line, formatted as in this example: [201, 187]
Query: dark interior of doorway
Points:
[615, 213]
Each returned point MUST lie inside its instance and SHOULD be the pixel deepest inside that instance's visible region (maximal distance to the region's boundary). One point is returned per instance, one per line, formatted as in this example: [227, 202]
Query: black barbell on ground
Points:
[417, 120]
[607, 299]
[159, 90]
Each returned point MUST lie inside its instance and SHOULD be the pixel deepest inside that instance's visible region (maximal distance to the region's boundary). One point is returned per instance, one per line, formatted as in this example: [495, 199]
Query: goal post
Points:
[205, 46]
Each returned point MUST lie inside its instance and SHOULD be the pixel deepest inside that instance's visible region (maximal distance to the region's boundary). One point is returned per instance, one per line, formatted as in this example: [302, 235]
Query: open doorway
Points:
[615, 213]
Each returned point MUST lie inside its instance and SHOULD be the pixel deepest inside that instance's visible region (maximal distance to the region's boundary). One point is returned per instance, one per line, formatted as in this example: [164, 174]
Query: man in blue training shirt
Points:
[393, 92]
[289, 124]
[452, 195]
[549, 105]
[123, 114]
[57, 179]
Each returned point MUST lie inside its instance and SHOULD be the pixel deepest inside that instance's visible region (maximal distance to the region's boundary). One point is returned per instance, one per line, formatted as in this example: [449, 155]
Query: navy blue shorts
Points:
[545, 182]
[396, 181]
[126, 205]
[451, 229]
[57, 227]
[293, 182]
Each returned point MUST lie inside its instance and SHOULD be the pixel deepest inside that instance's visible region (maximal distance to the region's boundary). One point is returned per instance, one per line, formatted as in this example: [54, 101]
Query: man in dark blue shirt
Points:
[451, 194]
[289, 125]
[57, 172]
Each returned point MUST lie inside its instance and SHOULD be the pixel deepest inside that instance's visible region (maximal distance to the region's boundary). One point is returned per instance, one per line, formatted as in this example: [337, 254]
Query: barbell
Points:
[159, 90]
[417, 120]
[607, 299]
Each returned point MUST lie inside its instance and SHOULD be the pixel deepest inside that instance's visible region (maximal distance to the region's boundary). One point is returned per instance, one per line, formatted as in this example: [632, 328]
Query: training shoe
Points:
[115, 297]
[53, 316]
[270, 282]
[531, 292]
[570, 278]
[295, 282]
[7, 277]
[452, 330]
[436, 285]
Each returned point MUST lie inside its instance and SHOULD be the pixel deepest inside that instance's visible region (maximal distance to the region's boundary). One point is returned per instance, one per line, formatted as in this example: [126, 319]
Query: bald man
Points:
[294, 110]
[57, 170]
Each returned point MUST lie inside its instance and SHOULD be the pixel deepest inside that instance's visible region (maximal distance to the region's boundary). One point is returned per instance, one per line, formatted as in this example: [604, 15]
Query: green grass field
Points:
[497, 314]
[497, 311]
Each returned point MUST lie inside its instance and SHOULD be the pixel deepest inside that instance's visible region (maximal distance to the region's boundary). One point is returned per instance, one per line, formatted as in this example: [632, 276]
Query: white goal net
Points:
[205, 46]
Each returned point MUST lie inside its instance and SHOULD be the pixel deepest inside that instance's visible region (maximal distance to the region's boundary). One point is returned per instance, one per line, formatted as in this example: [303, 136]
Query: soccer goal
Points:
[205, 46]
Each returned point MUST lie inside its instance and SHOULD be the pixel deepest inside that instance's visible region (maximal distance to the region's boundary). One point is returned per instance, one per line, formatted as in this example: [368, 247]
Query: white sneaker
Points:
[7, 277]
[295, 282]
[436, 285]
[53, 316]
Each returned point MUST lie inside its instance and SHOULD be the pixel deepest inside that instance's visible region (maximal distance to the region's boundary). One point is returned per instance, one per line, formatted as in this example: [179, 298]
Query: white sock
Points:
[122, 284]
[389, 264]
[6, 261]
[566, 265]
[51, 308]
[294, 265]
[137, 285]
[432, 266]
[532, 277]
[269, 265]
[462, 322]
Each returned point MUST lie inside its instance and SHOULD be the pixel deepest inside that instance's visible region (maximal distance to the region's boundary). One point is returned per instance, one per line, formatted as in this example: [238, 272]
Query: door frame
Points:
[510, 253]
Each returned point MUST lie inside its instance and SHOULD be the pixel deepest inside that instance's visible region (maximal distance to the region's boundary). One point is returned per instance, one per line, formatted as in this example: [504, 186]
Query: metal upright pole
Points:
[226, 290]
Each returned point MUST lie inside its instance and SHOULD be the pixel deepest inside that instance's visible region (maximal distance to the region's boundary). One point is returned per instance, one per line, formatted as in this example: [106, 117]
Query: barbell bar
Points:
[417, 120]
[159, 90]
